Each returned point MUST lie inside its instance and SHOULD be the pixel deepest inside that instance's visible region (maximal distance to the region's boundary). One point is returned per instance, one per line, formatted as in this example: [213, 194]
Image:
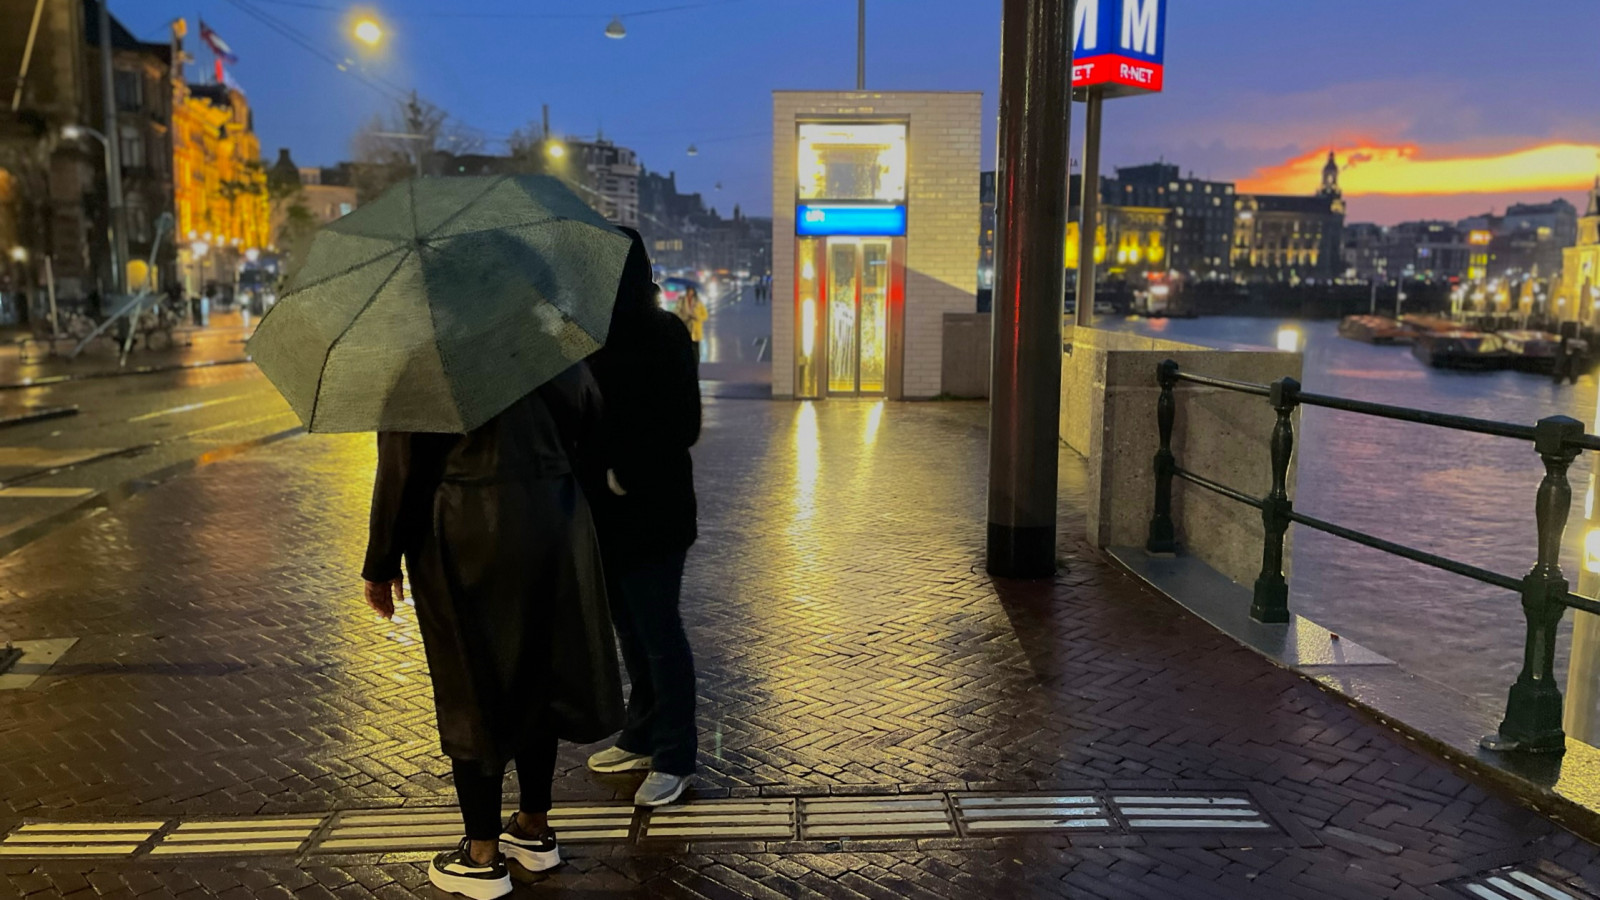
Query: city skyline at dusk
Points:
[1256, 92]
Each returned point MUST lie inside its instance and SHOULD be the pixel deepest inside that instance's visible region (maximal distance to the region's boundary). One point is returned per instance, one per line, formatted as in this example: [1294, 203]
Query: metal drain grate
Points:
[1519, 884]
[723, 820]
[980, 815]
[228, 836]
[1190, 812]
[850, 817]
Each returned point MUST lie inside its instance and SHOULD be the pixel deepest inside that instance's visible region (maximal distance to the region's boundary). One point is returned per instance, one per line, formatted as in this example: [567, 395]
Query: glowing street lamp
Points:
[368, 32]
[555, 149]
[19, 254]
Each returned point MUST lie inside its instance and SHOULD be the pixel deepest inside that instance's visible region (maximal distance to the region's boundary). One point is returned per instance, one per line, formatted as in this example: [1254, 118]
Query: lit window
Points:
[842, 161]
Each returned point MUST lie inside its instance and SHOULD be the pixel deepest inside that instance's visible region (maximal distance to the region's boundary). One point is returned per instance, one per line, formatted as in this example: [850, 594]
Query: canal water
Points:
[1465, 496]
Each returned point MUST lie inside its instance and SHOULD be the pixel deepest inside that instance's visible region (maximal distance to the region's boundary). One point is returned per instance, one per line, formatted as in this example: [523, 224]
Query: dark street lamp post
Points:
[1031, 195]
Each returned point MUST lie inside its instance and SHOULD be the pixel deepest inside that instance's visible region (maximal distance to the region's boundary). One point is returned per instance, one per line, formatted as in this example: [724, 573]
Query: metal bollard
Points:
[1533, 710]
[1271, 601]
[1163, 536]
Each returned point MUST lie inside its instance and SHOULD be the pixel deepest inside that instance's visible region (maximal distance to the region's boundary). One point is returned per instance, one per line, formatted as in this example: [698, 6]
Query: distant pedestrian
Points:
[645, 515]
[692, 310]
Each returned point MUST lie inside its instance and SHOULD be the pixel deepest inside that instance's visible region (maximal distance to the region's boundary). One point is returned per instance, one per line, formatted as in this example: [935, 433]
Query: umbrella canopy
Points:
[441, 303]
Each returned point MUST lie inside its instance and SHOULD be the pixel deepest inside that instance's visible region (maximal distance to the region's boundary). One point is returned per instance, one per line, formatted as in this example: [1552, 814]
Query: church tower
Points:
[1330, 178]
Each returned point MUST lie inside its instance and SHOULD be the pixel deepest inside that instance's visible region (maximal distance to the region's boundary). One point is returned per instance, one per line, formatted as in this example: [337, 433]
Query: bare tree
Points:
[389, 147]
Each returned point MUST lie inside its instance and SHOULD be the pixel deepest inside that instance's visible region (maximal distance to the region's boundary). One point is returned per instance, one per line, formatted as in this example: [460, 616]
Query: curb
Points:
[16, 539]
[49, 380]
[39, 415]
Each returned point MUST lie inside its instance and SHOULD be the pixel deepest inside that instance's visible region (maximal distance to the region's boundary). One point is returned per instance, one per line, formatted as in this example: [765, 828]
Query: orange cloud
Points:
[1406, 170]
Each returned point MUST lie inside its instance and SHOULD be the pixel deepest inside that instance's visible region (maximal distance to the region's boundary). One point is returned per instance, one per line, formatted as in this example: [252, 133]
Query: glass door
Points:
[858, 315]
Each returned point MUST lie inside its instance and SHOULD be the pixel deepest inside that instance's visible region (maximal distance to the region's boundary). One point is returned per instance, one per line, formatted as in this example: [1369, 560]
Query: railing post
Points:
[1533, 711]
[1163, 537]
[1271, 603]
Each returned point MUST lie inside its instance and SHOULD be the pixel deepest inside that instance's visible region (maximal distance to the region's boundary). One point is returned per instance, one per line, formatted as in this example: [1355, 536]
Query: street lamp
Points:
[19, 254]
[368, 32]
[119, 250]
[615, 31]
[555, 149]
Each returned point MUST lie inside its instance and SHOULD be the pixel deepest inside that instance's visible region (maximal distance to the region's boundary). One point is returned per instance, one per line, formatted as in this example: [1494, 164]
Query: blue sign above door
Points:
[828, 220]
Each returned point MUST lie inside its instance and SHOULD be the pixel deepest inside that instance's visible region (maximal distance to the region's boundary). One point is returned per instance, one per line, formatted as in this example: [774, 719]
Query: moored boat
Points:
[1374, 330]
[1469, 350]
[1532, 351]
[1420, 324]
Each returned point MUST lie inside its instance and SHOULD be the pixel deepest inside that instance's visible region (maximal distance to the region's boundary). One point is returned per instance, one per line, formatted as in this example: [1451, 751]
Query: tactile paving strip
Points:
[1519, 884]
[981, 815]
[1190, 812]
[723, 819]
[851, 817]
[79, 838]
[425, 829]
[229, 836]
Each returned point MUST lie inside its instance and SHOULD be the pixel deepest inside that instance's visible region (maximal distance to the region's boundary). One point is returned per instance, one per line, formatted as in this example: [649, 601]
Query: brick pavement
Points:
[849, 643]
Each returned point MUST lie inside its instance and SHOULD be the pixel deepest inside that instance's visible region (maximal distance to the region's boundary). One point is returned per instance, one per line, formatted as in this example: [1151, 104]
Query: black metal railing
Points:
[1533, 711]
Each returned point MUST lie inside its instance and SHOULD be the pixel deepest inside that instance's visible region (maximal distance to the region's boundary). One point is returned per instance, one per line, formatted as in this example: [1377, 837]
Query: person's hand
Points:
[613, 484]
[383, 595]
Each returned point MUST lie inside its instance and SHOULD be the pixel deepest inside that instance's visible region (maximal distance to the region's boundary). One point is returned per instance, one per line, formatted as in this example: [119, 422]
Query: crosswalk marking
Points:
[45, 493]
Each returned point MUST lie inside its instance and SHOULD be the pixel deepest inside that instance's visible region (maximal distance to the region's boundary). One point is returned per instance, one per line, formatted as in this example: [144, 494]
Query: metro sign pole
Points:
[1119, 50]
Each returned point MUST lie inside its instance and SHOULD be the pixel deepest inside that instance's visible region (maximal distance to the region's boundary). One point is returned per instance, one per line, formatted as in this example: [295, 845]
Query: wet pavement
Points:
[879, 718]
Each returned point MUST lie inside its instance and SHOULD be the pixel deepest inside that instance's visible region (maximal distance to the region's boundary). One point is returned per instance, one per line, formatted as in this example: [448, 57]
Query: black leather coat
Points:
[505, 569]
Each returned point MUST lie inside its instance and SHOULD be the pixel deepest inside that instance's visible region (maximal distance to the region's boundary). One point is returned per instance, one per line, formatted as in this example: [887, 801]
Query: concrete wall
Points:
[945, 137]
[1109, 395]
[966, 355]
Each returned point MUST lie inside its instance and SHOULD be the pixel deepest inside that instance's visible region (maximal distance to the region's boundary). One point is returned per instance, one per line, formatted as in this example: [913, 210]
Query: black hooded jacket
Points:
[649, 378]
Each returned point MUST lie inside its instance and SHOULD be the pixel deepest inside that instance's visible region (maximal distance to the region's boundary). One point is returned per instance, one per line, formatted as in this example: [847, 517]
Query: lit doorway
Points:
[859, 279]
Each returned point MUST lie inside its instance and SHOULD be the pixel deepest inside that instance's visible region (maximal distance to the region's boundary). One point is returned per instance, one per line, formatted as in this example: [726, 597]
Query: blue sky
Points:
[1252, 84]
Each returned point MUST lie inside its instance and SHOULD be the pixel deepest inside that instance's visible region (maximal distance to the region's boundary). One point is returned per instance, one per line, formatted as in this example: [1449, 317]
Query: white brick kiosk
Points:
[875, 217]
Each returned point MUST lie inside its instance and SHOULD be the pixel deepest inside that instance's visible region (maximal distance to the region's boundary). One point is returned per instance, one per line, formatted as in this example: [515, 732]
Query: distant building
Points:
[1424, 250]
[1577, 295]
[684, 234]
[608, 176]
[1200, 240]
[224, 214]
[52, 189]
[1130, 241]
[1291, 238]
[310, 194]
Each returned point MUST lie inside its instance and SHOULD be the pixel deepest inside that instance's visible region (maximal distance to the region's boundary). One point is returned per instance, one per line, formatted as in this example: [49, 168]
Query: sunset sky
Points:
[1447, 107]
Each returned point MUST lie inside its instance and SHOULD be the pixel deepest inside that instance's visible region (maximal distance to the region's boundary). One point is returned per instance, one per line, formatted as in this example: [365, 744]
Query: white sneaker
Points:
[536, 854]
[616, 759]
[454, 871]
[659, 789]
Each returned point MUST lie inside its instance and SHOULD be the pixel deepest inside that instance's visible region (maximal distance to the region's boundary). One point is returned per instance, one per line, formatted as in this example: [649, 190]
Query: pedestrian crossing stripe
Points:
[1519, 884]
[45, 493]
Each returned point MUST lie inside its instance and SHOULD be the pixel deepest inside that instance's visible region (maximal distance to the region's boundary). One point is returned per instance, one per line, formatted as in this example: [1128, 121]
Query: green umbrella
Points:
[440, 304]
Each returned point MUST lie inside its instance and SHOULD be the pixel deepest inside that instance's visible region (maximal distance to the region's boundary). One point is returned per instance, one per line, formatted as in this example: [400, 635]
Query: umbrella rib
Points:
[316, 398]
[464, 207]
[490, 230]
[343, 272]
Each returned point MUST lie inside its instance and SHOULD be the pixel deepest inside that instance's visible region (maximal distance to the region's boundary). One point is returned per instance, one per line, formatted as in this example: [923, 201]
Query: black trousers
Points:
[644, 608]
[479, 792]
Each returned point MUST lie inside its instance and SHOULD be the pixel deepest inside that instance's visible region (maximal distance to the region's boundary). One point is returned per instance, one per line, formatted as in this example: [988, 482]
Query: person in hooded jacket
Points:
[645, 516]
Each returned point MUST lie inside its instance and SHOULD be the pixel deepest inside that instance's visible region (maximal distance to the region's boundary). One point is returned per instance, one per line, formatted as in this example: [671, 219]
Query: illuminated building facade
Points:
[1281, 238]
[875, 237]
[1201, 227]
[220, 184]
[1578, 292]
[1130, 242]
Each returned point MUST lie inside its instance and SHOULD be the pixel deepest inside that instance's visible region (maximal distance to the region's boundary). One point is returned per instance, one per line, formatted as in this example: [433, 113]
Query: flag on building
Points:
[218, 46]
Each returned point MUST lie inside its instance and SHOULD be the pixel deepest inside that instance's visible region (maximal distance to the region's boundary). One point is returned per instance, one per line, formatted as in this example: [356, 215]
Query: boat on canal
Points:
[1467, 350]
[1418, 324]
[1534, 351]
[1374, 330]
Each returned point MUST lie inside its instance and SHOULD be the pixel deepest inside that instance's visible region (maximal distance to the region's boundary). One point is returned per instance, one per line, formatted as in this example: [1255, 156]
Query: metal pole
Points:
[1089, 207]
[1031, 188]
[1374, 296]
[414, 119]
[50, 288]
[119, 246]
[861, 45]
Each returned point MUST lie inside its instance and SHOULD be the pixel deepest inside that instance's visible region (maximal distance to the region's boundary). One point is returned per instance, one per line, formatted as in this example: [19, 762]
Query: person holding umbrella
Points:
[645, 512]
[452, 316]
